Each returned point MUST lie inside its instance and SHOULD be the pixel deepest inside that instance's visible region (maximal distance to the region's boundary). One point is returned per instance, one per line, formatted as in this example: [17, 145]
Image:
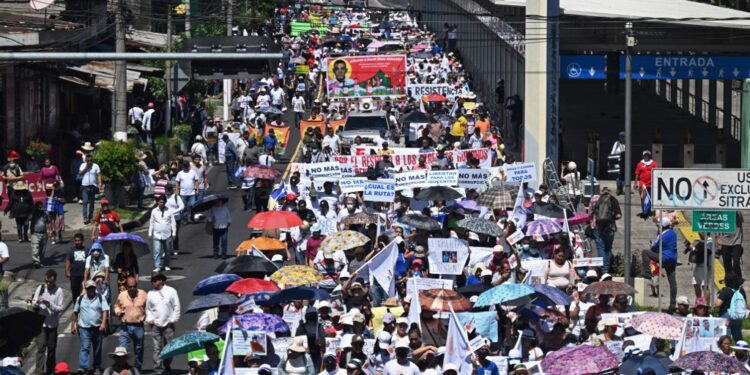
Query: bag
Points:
[603, 210]
[738, 307]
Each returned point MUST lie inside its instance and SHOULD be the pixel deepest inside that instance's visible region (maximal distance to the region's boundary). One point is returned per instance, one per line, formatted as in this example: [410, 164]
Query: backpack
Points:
[603, 211]
[737, 308]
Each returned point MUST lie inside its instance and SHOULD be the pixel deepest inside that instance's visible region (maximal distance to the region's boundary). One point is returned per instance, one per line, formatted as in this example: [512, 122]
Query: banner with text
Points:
[442, 178]
[473, 178]
[418, 90]
[379, 192]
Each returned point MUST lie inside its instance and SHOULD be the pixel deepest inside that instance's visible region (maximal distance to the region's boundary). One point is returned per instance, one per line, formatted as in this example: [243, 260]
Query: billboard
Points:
[366, 76]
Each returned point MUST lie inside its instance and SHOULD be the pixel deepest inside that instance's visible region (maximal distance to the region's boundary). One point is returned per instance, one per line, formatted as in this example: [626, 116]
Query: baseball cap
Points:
[450, 367]
[402, 320]
[486, 272]
[402, 343]
[89, 284]
[605, 277]
[388, 318]
[359, 318]
[277, 258]
[62, 367]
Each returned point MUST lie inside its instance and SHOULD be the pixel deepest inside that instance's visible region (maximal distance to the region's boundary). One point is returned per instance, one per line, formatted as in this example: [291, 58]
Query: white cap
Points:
[322, 304]
[277, 258]
[605, 277]
[485, 272]
[473, 299]
[384, 337]
[450, 367]
[402, 320]
[345, 274]
[665, 222]
[683, 300]
[572, 165]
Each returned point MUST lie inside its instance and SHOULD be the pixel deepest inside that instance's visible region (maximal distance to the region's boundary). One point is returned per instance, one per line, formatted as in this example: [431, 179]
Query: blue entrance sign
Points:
[659, 67]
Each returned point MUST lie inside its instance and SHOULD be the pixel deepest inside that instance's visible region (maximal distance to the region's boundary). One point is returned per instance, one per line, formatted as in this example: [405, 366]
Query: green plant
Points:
[165, 141]
[157, 88]
[182, 131]
[36, 150]
[116, 160]
[211, 106]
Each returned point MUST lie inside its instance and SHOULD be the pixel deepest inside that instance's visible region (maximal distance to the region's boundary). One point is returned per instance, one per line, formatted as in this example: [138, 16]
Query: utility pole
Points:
[168, 71]
[187, 18]
[630, 43]
[121, 71]
[228, 82]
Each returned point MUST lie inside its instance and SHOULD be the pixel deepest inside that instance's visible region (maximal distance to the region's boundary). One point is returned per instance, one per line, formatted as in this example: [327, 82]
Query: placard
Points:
[379, 192]
[518, 235]
[476, 343]
[427, 283]
[248, 342]
[369, 346]
[447, 255]
[411, 179]
[701, 334]
[473, 178]
[327, 169]
[534, 267]
[415, 130]
[518, 172]
[481, 255]
[332, 343]
[292, 319]
[352, 184]
[588, 262]
[280, 344]
[418, 90]
[442, 178]
[347, 170]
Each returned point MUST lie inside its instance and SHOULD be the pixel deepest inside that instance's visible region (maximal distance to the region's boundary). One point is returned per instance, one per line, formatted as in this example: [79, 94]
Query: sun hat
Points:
[120, 351]
[277, 258]
[19, 185]
[402, 343]
[87, 146]
[89, 284]
[740, 345]
[298, 344]
[683, 300]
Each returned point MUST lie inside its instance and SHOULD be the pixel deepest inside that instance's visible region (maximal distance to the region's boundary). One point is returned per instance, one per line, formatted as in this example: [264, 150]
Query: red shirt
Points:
[109, 222]
[643, 173]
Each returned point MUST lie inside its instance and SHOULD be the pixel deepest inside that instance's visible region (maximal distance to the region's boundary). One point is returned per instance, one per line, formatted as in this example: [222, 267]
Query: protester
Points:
[89, 322]
[162, 312]
[48, 301]
[20, 207]
[91, 184]
[75, 265]
[219, 220]
[666, 243]
[120, 366]
[162, 230]
[130, 308]
[107, 221]
[38, 228]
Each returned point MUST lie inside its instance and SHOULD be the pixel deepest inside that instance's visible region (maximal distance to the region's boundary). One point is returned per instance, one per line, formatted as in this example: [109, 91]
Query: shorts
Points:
[699, 275]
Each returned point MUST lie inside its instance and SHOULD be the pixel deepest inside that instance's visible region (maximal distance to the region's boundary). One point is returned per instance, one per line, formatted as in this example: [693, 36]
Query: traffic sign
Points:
[658, 67]
[707, 189]
[714, 221]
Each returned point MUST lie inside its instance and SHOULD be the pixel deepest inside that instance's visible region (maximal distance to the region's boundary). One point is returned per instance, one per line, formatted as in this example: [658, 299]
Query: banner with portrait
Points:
[366, 76]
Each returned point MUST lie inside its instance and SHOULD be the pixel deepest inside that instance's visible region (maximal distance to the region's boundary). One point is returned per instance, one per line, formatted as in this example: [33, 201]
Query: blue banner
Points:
[658, 67]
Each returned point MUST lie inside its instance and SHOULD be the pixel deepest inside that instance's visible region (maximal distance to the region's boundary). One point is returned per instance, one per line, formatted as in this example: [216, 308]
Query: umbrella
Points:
[438, 193]
[274, 220]
[609, 287]
[214, 284]
[557, 296]
[419, 47]
[258, 84]
[503, 293]
[542, 227]
[710, 361]
[420, 221]
[360, 218]
[469, 205]
[416, 117]
[258, 322]
[442, 300]
[474, 289]
[550, 210]
[271, 110]
[17, 328]
[580, 359]
[375, 44]
[577, 219]
[299, 293]
[344, 240]
[187, 343]
[262, 172]
[251, 285]
[435, 98]
[498, 197]
[210, 301]
[632, 364]
[113, 242]
[658, 324]
[260, 297]
[260, 243]
[479, 225]
[289, 276]
[207, 202]
[247, 266]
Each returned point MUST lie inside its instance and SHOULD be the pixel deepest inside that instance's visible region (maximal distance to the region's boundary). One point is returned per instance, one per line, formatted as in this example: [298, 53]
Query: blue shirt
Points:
[269, 142]
[490, 369]
[471, 280]
[90, 310]
[669, 245]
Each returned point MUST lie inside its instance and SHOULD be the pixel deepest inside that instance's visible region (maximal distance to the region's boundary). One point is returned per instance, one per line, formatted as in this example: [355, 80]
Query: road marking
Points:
[292, 160]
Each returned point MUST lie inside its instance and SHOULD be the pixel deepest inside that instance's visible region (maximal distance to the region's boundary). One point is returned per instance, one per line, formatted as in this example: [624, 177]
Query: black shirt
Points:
[77, 259]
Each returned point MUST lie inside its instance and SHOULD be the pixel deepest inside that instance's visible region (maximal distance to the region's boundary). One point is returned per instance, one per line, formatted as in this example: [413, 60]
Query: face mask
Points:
[350, 206]
[525, 247]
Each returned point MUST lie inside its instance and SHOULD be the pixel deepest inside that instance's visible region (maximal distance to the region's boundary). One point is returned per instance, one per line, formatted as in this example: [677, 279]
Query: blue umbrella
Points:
[557, 296]
[631, 365]
[271, 110]
[113, 243]
[299, 293]
[260, 297]
[187, 343]
[503, 294]
[215, 284]
[210, 301]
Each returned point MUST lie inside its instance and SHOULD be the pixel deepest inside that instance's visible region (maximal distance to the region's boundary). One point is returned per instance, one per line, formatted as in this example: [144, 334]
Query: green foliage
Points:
[254, 12]
[182, 131]
[157, 88]
[213, 25]
[164, 141]
[117, 160]
[211, 106]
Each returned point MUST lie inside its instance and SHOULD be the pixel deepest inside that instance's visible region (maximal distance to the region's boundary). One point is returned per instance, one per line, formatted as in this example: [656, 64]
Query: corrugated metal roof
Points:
[103, 74]
[146, 38]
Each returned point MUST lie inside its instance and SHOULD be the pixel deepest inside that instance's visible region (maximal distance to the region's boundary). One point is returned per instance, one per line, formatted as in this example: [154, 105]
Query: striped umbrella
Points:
[442, 300]
[498, 197]
[542, 227]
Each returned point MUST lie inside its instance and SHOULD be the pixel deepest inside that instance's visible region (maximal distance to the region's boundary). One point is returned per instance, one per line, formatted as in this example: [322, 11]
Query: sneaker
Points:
[156, 270]
[167, 269]
[20, 240]
[175, 253]
[53, 242]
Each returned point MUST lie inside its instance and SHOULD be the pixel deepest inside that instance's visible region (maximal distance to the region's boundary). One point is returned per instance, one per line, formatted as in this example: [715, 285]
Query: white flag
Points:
[226, 366]
[257, 253]
[382, 268]
[519, 213]
[415, 308]
[457, 349]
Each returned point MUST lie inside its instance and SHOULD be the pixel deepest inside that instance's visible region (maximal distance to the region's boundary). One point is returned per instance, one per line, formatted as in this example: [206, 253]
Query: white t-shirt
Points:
[264, 101]
[392, 367]
[333, 141]
[199, 174]
[298, 104]
[4, 253]
[244, 101]
[266, 160]
[187, 182]
[277, 96]
[89, 178]
[136, 114]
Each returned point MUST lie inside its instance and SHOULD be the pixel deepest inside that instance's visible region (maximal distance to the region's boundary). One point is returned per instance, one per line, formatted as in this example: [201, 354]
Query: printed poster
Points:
[366, 76]
[447, 255]
[248, 342]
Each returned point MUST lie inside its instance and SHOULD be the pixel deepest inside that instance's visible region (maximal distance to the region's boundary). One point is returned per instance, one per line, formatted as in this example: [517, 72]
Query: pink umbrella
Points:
[419, 47]
[577, 219]
[658, 324]
[375, 44]
[580, 359]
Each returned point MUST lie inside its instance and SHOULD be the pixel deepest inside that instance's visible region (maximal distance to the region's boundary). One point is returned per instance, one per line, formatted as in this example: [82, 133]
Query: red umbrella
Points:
[250, 285]
[261, 172]
[434, 97]
[274, 220]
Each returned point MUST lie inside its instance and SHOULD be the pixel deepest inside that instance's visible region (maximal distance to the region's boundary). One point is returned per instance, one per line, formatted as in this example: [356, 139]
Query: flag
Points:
[246, 304]
[257, 253]
[646, 206]
[457, 347]
[276, 196]
[226, 366]
[382, 268]
[519, 213]
[415, 308]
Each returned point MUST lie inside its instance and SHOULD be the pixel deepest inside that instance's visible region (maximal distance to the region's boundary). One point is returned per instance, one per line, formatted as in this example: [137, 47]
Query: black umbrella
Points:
[438, 193]
[207, 202]
[550, 210]
[474, 289]
[420, 221]
[247, 266]
[210, 301]
[300, 293]
[17, 328]
[416, 117]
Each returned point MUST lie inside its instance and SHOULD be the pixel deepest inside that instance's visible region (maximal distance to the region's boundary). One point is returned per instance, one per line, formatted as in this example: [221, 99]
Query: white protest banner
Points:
[415, 129]
[588, 262]
[405, 180]
[476, 343]
[447, 255]
[700, 334]
[409, 157]
[327, 169]
[327, 226]
[347, 170]
[418, 90]
[518, 235]
[481, 255]
[369, 346]
[379, 192]
[535, 269]
[245, 342]
[501, 362]
[427, 283]
[518, 172]
[473, 178]
[292, 319]
[442, 178]
[642, 341]
[332, 343]
[352, 184]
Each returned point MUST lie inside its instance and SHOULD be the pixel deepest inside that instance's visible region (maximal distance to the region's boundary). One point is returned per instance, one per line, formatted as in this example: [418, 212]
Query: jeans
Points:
[669, 268]
[90, 337]
[159, 247]
[730, 257]
[201, 194]
[132, 332]
[22, 227]
[248, 198]
[297, 118]
[88, 194]
[220, 241]
[38, 240]
[161, 336]
[603, 239]
[46, 343]
[231, 165]
[189, 201]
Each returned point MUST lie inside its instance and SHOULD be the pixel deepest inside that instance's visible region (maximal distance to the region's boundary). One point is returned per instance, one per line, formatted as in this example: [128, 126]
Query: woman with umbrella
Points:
[126, 264]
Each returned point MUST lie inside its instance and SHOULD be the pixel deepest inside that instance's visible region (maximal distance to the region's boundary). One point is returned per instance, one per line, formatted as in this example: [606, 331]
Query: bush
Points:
[183, 131]
[165, 142]
[117, 161]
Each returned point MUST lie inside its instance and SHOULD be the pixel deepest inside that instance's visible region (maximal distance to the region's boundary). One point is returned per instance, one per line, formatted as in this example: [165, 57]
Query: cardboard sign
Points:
[473, 178]
[427, 283]
[476, 343]
[332, 343]
[518, 172]
[352, 184]
[588, 262]
[447, 255]
[379, 192]
[247, 342]
[411, 179]
[442, 178]
[328, 169]
[513, 239]
[292, 319]
[281, 343]
[535, 268]
[481, 255]
[418, 90]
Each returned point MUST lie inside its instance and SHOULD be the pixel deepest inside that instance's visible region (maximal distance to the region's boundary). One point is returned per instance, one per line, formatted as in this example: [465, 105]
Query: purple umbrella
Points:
[710, 361]
[469, 205]
[557, 296]
[113, 242]
[580, 359]
[258, 322]
[542, 227]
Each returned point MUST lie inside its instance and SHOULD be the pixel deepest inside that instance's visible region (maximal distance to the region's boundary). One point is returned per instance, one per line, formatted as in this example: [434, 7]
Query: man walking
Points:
[135, 116]
[298, 105]
[38, 234]
[220, 220]
[162, 230]
[97, 261]
[231, 157]
[162, 312]
[89, 321]
[4, 258]
[186, 184]
[91, 183]
[75, 265]
[148, 119]
[48, 301]
[107, 221]
[130, 307]
[605, 211]
[176, 207]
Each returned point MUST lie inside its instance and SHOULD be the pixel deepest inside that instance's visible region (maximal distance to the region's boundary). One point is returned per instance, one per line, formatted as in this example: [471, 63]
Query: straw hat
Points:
[298, 344]
[87, 147]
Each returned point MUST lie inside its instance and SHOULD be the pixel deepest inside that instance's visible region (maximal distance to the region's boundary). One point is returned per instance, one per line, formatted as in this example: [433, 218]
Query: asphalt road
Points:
[194, 262]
